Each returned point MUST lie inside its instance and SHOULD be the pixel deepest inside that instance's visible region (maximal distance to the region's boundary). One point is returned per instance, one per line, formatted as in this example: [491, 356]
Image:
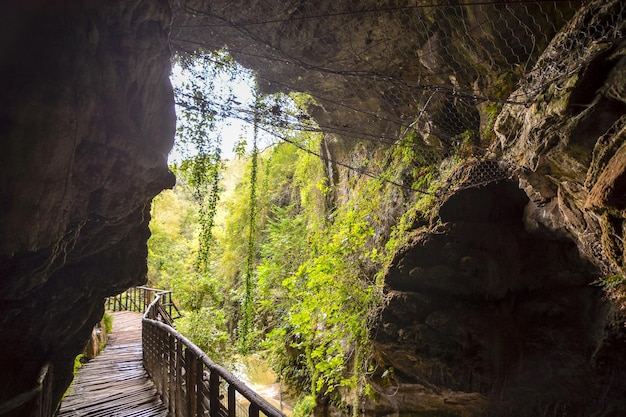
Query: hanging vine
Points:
[248, 302]
[203, 89]
[209, 197]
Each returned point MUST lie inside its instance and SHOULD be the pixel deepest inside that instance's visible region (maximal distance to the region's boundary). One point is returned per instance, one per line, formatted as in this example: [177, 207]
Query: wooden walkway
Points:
[115, 384]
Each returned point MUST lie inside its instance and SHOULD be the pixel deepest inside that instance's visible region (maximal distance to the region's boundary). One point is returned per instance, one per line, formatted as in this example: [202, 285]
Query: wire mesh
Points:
[379, 71]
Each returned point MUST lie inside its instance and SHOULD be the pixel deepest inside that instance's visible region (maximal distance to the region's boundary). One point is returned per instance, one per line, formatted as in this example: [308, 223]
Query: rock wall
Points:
[87, 120]
[498, 310]
[486, 317]
[97, 341]
[375, 69]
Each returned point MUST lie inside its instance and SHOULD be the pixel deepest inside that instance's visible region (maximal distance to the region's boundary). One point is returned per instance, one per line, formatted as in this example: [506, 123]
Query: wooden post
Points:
[145, 348]
[232, 404]
[253, 410]
[171, 358]
[206, 391]
[149, 298]
[199, 388]
[45, 396]
[150, 355]
[180, 365]
[170, 303]
[214, 394]
[162, 355]
[190, 371]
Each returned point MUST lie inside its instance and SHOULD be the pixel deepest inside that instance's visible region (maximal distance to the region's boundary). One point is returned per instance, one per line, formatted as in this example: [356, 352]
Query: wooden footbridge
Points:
[148, 369]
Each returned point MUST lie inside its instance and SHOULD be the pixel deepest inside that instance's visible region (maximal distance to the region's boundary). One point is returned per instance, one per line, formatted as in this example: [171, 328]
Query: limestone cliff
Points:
[87, 120]
[501, 294]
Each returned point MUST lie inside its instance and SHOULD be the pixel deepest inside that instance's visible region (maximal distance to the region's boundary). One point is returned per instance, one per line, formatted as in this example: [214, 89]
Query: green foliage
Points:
[286, 273]
[173, 264]
[257, 258]
[204, 94]
[490, 113]
[173, 245]
[319, 340]
[79, 361]
[414, 163]
[304, 407]
[613, 281]
[313, 274]
[207, 328]
[207, 193]
[247, 307]
[504, 85]
[108, 322]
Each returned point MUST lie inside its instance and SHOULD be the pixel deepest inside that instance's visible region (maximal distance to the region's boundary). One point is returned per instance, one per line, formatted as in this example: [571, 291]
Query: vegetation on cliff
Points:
[310, 268]
[291, 257]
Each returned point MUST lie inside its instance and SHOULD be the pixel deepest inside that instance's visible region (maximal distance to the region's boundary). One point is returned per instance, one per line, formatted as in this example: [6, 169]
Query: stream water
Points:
[256, 373]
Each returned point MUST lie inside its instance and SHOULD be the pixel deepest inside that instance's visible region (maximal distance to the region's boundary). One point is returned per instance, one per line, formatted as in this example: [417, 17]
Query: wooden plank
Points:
[115, 382]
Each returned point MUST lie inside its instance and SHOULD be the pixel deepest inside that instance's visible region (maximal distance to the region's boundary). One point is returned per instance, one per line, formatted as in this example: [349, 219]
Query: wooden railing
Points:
[37, 401]
[189, 383]
[139, 299]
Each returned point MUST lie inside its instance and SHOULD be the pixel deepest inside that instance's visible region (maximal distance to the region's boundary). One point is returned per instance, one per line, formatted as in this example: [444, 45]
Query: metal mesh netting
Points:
[440, 71]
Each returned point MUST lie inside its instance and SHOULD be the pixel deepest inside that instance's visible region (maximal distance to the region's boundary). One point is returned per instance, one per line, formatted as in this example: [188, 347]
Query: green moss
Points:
[611, 227]
[490, 113]
[504, 85]
[108, 322]
[501, 89]
[78, 362]
[613, 281]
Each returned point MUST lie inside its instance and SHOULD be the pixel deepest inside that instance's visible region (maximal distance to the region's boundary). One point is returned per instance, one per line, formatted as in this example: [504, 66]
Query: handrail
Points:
[139, 298]
[39, 397]
[191, 384]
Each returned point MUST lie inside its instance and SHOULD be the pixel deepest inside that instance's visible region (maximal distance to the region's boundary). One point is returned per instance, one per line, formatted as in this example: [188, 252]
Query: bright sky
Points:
[231, 129]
